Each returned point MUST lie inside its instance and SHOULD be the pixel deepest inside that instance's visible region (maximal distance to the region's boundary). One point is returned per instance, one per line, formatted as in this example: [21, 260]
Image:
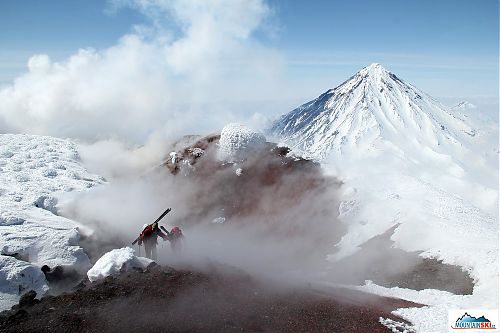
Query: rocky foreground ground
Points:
[218, 299]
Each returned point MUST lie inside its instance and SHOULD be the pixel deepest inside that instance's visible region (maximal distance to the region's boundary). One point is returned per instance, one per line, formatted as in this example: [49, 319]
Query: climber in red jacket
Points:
[149, 237]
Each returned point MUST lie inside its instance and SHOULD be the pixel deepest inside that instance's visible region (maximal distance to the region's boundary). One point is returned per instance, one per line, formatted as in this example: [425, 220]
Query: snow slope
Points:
[36, 172]
[432, 221]
[408, 162]
[487, 130]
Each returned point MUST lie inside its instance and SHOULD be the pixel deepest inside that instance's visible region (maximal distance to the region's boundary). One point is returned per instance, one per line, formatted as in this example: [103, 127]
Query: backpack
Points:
[148, 231]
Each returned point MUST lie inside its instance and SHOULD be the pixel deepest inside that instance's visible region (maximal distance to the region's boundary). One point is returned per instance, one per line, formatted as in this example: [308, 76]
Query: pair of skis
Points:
[157, 220]
[166, 231]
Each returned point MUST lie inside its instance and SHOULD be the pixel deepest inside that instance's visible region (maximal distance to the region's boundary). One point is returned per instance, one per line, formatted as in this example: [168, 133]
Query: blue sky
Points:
[448, 48]
[57, 28]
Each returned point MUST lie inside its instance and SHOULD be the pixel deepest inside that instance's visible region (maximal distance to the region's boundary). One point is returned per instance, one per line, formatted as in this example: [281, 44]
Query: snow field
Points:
[35, 173]
[433, 222]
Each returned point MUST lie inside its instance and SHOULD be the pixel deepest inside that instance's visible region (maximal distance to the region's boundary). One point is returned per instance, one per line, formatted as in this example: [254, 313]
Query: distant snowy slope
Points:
[487, 130]
[34, 172]
[464, 105]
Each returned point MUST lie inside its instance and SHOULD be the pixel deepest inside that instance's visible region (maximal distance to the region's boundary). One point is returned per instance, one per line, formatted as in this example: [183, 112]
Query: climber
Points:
[149, 237]
[175, 237]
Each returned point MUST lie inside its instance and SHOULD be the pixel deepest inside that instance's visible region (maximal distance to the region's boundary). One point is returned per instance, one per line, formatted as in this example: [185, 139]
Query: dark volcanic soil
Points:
[166, 300]
[379, 261]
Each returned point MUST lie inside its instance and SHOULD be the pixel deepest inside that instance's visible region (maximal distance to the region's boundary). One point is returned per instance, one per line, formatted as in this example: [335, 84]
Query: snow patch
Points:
[238, 142]
[396, 326]
[18, 277]
[116, 261]
[47, 202]
[219, 220]
[173, 157]
[7, 218]
[50, 173]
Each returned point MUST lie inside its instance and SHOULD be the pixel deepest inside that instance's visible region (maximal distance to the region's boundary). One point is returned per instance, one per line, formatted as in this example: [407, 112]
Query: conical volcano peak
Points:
[374, 77]
[371, 107]
[375, 65]
[375, 70]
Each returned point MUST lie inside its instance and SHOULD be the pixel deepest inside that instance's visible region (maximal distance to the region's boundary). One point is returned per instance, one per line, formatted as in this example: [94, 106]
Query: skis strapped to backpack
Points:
[157, 220]
[166, 231]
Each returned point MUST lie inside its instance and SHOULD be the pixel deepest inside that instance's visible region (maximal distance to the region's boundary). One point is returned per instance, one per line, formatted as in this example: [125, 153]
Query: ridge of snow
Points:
[36, 172]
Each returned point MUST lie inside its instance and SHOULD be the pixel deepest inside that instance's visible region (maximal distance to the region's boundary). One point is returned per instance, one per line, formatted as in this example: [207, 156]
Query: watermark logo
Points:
[471, 321]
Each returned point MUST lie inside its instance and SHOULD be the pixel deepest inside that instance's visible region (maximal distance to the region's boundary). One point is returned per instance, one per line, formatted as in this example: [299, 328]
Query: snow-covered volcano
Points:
[376, 115]
[371, 110]
[410, 166]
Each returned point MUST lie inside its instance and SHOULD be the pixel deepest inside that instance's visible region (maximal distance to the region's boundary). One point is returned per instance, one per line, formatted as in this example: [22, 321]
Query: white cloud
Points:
[183, 73]
[39, 63]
